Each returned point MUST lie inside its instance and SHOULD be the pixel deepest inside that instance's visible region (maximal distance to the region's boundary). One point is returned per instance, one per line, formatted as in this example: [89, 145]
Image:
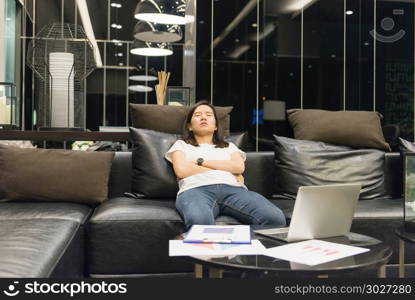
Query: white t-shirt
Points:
[207, 152]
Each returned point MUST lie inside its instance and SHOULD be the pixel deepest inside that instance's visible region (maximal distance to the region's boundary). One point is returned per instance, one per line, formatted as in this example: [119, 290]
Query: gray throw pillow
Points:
[305, 163]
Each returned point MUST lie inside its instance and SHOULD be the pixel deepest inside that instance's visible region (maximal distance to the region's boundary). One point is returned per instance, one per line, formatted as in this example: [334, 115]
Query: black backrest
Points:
[259, 174]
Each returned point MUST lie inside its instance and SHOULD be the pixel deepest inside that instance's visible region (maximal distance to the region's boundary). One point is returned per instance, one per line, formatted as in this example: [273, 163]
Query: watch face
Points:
[200, 161]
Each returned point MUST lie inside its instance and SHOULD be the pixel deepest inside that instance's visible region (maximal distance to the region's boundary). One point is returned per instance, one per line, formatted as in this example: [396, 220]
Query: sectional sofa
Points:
[128, 236]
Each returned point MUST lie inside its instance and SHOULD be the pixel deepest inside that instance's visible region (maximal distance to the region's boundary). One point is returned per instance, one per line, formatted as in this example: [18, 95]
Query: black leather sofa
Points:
[129, 237]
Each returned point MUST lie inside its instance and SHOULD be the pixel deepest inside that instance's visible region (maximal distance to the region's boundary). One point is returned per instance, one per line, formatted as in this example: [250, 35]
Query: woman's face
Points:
[203, 120]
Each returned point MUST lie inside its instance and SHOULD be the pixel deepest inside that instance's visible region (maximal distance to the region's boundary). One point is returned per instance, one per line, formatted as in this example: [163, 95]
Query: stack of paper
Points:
[236, 234]
[180, 248]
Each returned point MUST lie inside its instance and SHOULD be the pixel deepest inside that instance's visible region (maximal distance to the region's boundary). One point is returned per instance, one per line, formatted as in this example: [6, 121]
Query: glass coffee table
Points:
[404, 237]
[262, 266]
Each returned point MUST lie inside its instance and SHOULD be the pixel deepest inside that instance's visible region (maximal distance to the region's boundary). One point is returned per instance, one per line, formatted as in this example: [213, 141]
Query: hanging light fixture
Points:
[163, 12]
[140, 88]
[157, 33]
[150, 49]
[142, 75]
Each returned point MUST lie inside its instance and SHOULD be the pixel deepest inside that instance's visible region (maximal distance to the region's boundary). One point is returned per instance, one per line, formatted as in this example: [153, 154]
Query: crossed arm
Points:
[184, 168]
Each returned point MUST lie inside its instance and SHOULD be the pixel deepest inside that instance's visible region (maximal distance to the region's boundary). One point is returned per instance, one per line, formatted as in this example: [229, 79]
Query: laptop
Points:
[319, 212]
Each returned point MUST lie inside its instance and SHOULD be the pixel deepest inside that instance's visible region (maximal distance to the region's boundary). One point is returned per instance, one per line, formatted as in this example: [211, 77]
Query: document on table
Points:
[180, 248]
[313, 252]
[235, 234]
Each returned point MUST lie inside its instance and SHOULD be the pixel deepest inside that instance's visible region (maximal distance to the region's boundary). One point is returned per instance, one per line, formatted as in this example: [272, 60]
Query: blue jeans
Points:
[201, 205]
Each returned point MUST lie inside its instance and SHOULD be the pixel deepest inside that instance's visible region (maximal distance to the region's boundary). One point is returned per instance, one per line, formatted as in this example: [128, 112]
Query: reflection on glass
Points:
[409, 188]
[279, 68]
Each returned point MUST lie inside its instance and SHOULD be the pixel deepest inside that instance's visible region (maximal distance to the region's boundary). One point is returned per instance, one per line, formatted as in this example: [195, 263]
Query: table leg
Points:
[401, 259]
[198, 271]
[382, 272]
[215, 273]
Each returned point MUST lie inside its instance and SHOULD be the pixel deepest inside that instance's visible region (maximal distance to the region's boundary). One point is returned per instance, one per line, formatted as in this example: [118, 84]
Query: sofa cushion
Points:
[304, 163]
[54, 175]
[153, 176]
[34, 247]
[121, 174]
[170, 119]
[130, 236]
[359, 129]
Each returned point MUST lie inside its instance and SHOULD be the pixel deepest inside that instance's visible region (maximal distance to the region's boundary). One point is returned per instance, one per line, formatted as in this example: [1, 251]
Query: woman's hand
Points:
[239, 178]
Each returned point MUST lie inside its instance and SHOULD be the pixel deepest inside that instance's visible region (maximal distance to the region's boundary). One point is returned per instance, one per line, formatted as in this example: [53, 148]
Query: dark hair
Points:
[188, 136]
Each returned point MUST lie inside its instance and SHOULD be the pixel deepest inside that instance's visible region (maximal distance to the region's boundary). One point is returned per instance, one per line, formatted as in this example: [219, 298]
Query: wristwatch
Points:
[200, 161]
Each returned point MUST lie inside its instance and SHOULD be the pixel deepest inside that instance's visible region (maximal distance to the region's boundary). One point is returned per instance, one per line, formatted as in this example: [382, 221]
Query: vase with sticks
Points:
[161, 87]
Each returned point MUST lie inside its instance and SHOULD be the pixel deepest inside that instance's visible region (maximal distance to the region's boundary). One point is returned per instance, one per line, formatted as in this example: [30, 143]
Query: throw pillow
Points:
[54, 175]
[304, 163]
[170, 119]
[358, 129]
[19, 144]
[153, 176]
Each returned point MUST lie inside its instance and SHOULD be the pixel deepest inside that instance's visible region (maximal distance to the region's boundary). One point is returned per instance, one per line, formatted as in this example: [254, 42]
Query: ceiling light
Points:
[163, 12]
[157, 33]
[349, 12]
[150, 49]
[114, 25]
[140, 88]
[116, 5]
